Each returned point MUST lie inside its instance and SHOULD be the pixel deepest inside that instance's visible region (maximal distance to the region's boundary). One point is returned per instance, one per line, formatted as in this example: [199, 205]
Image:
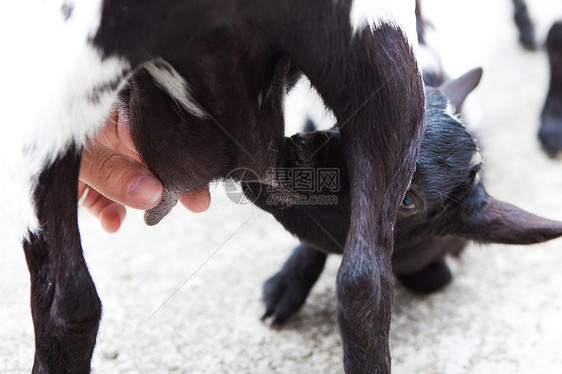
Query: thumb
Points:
[119, 177]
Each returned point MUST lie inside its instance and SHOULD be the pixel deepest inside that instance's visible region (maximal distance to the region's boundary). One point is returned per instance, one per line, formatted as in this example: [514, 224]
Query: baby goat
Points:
[206, 97]
[445, 207]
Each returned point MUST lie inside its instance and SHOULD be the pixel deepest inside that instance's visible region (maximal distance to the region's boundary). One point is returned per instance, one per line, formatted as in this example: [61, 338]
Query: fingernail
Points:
[145, 190]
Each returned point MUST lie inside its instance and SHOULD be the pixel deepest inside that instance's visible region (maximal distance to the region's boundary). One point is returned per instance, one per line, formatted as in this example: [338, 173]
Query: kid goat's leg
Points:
[65, 306]
[286, 292]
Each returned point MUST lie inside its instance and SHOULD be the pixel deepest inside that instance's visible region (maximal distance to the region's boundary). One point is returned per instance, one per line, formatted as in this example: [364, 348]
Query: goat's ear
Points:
[456, 90]
[496, 221]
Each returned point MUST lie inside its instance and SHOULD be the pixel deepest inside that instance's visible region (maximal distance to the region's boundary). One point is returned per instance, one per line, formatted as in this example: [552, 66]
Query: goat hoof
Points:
[550, 133]
[429, 279]
[527, 39]
[283, 295]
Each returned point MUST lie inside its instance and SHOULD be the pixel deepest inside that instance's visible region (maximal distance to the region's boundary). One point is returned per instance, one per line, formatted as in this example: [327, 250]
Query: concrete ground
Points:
[184, 297]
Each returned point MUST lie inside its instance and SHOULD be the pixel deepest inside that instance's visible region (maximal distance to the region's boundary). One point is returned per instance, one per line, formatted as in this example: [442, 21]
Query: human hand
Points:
[113, 176]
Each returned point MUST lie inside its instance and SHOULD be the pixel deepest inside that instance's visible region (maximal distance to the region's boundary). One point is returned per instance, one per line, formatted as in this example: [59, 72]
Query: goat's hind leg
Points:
[370, 80]
[524, 25]
[65, 306]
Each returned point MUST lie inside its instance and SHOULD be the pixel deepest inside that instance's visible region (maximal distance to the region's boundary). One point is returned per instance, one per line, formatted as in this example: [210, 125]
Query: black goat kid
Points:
[445, 207]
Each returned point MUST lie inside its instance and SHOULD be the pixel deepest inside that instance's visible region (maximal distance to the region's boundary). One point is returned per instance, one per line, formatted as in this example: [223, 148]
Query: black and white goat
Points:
[222, 67]
[444, 209]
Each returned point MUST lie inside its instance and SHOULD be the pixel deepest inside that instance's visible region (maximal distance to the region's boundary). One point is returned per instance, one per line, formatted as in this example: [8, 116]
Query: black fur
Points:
[550, 132]
[524, 25]
[429, 279]
[65, 306]
[286, 292]
[365, 87]
[441, 179]
[240, 57]
[445, 207]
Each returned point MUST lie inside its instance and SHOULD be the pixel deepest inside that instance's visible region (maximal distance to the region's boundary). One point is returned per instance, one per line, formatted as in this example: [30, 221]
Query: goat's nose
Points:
[300, 141]
[298, 138]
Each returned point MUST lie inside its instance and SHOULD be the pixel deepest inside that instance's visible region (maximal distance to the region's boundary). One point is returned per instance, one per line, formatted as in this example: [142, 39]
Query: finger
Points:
[196, 200]
[112, 216]
[116, 135]
[110, 213]
[81, 189]
[119, 177]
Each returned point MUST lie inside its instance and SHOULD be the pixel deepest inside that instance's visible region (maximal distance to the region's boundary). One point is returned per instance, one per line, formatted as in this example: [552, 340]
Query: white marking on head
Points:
[452, 112]
[375, 13]
[49, 75]
[175, 85]
[429, 61]
[476, 159]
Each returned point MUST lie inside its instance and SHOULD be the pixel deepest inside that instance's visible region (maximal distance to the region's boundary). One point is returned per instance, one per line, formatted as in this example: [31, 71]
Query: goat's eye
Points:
[408, 204]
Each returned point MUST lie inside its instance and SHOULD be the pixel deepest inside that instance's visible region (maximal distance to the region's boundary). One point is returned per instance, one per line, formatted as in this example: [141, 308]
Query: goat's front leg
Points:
[286, 292]
[65, 306]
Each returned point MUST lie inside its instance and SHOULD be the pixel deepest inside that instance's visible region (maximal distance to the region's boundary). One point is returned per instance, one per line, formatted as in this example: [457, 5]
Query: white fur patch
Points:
[375, 13]
[429, 60]
[302, 103]
[49, 75]
[174, 84]
[476, 159]
[452, 112]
